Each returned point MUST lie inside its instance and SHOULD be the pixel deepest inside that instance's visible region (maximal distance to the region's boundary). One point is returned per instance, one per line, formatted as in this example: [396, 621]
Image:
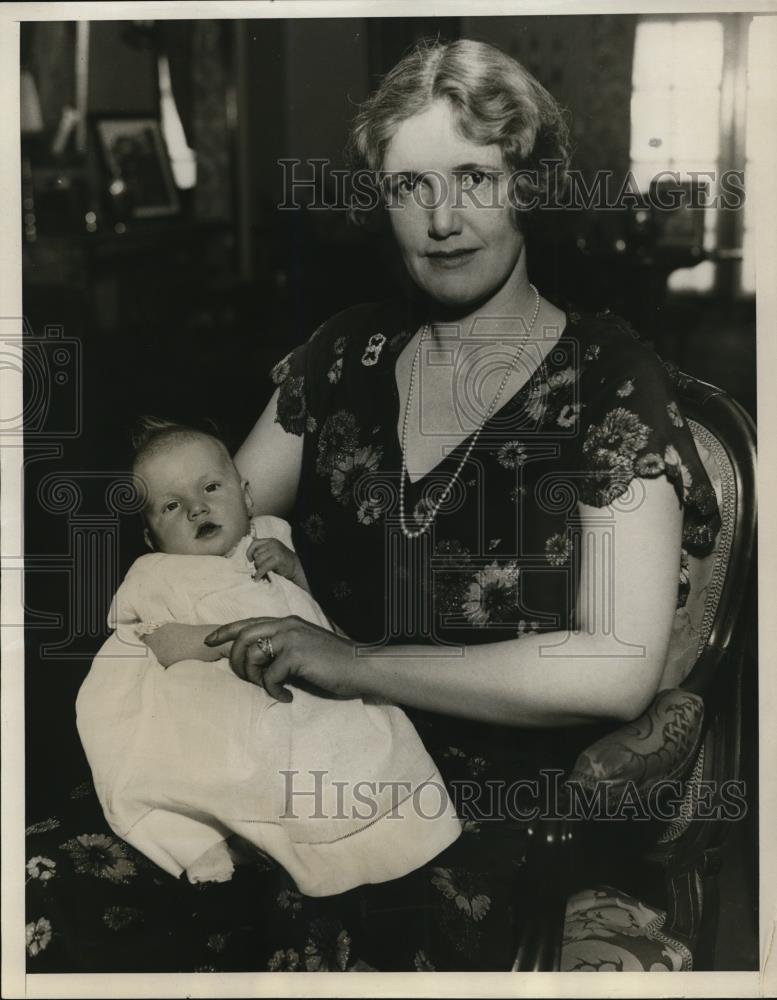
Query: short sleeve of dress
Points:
[289, 376]
[303, 377]
[632, 426]
[310, 379]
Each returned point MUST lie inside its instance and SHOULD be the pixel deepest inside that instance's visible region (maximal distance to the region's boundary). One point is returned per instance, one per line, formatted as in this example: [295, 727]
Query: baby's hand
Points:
[269, 554]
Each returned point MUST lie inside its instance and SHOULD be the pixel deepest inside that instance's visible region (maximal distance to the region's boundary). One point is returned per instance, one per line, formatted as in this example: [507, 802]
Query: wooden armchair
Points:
[665, 914]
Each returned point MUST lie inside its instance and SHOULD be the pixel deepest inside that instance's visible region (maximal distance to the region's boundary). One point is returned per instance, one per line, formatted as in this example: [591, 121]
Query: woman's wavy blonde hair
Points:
[495, 101]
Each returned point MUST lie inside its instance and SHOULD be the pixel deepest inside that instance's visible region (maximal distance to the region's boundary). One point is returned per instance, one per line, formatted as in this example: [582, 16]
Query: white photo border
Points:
[15, 983]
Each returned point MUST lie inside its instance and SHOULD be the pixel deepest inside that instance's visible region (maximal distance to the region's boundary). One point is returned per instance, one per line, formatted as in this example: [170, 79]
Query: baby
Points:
[198, 505]
[185, 755]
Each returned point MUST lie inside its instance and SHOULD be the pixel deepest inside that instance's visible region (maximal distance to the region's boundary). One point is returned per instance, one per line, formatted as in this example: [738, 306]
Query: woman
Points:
[490, 495]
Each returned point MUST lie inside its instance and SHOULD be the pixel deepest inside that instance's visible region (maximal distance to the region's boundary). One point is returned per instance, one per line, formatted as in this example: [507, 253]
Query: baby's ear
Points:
[249, 500]
[148, 539]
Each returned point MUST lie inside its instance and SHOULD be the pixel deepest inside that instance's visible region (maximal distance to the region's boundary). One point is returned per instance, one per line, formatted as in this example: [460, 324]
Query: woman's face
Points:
[450, 212]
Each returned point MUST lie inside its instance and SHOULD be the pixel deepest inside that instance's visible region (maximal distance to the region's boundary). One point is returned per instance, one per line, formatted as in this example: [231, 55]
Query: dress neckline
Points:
[509, 404]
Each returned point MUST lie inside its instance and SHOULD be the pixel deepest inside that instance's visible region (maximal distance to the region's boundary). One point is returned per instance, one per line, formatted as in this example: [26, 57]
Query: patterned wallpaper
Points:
[585, 62]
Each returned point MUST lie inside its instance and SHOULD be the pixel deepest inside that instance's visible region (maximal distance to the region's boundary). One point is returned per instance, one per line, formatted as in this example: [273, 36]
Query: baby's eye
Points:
[170, 506]
[211, 487]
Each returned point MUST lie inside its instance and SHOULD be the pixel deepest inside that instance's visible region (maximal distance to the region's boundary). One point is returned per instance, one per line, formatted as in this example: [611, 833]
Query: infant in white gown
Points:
[340, 792]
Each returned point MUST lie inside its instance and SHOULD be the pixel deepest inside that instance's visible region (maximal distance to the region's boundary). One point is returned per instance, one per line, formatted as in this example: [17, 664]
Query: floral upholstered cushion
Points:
[607, 931]
[701, 577]
[661, 744]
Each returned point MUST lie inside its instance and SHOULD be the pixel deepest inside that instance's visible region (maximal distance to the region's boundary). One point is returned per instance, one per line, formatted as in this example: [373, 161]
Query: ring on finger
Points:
[265, 644]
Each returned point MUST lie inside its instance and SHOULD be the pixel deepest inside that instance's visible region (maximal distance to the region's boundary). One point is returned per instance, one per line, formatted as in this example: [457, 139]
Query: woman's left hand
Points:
[299, 650]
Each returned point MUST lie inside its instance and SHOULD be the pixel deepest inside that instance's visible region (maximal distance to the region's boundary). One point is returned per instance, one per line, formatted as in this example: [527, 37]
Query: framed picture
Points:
[136, 157]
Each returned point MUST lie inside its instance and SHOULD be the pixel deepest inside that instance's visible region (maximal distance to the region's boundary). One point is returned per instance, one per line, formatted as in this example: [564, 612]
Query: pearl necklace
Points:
[409, 532]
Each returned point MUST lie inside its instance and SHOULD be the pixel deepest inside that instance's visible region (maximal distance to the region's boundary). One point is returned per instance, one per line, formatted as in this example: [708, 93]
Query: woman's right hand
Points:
[300, 650]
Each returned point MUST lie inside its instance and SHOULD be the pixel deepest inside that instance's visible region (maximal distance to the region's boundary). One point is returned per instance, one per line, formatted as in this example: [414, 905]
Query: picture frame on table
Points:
[137, 161]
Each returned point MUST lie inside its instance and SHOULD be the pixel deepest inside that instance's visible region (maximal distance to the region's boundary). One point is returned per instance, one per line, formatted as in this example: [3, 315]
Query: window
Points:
[686, 118]
[758, 49]
[183, 162]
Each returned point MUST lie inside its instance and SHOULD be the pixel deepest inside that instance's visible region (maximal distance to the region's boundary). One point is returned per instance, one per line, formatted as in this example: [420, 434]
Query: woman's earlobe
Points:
[148, 539]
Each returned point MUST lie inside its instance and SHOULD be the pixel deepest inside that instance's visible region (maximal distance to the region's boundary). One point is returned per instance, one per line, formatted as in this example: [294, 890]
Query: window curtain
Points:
[197, 56]
[48, 51]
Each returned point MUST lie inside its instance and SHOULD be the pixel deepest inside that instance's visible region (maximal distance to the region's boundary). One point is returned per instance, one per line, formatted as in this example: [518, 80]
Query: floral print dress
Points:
[500, 561]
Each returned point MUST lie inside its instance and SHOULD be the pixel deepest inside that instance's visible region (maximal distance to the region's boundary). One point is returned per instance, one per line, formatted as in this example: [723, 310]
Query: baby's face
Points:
[197, 504]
